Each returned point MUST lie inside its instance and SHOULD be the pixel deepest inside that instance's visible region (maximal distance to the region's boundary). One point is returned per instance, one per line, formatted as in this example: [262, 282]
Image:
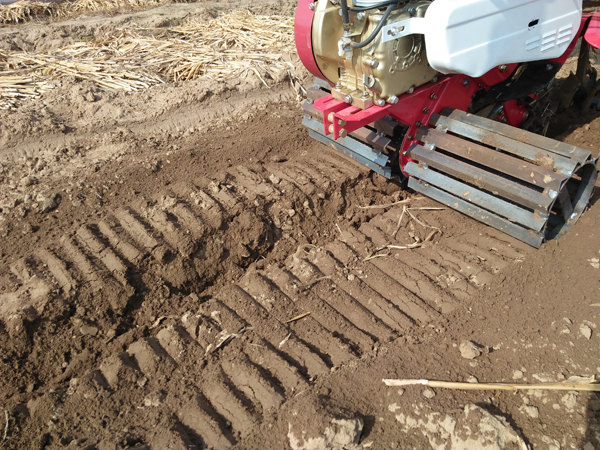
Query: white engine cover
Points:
[473, 36]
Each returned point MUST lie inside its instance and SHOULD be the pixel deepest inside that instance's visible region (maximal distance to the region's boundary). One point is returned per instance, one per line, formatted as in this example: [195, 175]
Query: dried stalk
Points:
[310, 284]
[381, 255]
[565, 386]
[399, 222]
[224, 339]
[387, 205]
[418, 221]
[415, 244]
[298, 317]
[6, 425]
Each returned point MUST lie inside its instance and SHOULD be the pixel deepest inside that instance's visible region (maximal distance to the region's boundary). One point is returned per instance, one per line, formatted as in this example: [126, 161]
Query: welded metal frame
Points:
[353, 148]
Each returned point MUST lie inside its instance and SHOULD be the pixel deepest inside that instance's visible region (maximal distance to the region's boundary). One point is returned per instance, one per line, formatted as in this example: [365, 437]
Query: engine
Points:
[369, 65]
[374, 51]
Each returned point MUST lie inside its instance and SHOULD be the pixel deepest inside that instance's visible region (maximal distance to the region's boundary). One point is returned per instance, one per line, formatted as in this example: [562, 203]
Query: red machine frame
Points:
[416, 108]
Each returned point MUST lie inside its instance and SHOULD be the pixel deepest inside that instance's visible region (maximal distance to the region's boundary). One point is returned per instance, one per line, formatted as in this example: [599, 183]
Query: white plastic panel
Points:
[474, 36]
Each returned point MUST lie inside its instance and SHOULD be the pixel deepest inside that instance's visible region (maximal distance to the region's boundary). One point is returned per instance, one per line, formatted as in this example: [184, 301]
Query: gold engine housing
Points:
[381, 70]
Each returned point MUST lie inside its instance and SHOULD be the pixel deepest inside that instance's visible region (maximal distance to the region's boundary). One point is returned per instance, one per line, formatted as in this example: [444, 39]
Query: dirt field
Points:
[183, 267]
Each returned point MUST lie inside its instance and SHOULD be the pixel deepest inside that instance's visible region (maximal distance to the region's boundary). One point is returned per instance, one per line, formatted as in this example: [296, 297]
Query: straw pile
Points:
[230, 46]
[25, 10]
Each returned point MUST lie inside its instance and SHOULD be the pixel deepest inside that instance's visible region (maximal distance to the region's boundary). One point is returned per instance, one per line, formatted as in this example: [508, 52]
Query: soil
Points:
[161, 250]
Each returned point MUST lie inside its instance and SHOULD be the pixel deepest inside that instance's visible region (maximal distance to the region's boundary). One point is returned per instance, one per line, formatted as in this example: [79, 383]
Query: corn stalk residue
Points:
[227, 47]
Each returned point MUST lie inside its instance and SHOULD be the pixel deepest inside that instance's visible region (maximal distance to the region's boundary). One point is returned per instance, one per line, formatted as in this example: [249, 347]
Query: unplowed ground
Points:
[185, 268]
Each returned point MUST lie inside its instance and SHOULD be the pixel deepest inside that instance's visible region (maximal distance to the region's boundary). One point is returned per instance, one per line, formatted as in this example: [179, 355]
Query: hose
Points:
[377, 29]
[375, 6]
[345, 16]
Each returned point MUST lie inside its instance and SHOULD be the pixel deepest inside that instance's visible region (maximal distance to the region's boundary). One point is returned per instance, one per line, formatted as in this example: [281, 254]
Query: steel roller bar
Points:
[528, 236]
[569, 151]
[496, 184]
[544, 158]
[515, 167]
[477, 197]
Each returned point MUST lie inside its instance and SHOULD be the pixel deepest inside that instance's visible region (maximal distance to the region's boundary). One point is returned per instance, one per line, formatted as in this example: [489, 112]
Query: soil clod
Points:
[470, 350]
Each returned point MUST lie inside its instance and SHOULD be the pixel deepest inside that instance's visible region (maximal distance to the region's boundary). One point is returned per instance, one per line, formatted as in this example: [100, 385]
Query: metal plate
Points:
[361, 153]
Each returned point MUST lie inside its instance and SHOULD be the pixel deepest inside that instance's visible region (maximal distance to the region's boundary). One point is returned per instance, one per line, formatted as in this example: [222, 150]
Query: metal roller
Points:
[533, 188]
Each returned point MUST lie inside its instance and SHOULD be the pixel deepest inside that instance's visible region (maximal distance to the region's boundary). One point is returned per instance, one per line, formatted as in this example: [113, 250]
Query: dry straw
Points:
[234, 45]
[26, 10]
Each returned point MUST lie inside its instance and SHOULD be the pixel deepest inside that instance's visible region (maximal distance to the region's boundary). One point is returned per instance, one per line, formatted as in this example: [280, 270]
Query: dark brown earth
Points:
[160, 252]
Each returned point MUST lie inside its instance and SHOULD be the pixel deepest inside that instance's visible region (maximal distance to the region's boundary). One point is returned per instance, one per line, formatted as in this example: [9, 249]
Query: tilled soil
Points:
[195, 272]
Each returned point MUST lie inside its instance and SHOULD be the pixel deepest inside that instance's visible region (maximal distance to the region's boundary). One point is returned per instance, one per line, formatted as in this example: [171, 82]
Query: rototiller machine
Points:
[455, 97]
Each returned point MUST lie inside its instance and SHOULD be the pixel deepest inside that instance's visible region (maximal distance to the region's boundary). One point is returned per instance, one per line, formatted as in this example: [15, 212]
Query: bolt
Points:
[418, 124]
[466, 83]
[425, 110]
[425, 166]
[552, 194]
[343, 133]
[435, 79]
[338, 85]
[311, 6]
[412, 10]
[348, 99]
[360, 16]
[573, 215]
[425, 184]
[381, 102]
[481, 85]
[393, 31]
[393, 99]
[433, 96]
[503, 68]
[404, 153]
[410, 137]
[374, 63]
[411, 90]
[549, 67]
[341, 122]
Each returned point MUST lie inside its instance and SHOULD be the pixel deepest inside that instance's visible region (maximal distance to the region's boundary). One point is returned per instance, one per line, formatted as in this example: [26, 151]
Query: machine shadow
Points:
[591, 438]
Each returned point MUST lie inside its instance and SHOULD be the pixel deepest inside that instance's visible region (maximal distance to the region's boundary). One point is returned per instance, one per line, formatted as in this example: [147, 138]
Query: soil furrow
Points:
[260, 307]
